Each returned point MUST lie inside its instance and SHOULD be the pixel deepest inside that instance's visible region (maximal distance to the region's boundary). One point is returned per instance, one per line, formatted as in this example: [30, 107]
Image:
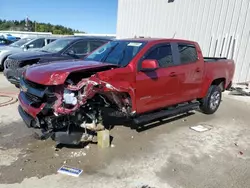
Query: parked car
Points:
[29, 43]
[8, 37]
[142, 79]
[62, 49]
[5, 42]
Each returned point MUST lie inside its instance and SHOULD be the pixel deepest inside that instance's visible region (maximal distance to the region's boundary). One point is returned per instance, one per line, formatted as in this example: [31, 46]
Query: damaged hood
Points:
[57, 72]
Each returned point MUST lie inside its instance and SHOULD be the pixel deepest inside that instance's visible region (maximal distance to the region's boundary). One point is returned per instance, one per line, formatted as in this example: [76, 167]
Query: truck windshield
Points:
[56, 46]
[119, 53]
[20, 42]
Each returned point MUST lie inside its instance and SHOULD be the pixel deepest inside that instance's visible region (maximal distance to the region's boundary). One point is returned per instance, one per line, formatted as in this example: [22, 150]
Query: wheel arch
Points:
[218, 81]
[3, 60]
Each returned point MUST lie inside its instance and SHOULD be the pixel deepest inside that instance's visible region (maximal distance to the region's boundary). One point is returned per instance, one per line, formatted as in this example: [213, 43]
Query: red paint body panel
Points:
[56, 73]
[214, 71]
[29, 109]
[148, 90]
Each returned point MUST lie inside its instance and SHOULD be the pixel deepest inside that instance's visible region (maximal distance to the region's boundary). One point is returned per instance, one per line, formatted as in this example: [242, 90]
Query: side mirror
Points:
[70, 52]
[30, 45]
[149, 65]
[25, 47]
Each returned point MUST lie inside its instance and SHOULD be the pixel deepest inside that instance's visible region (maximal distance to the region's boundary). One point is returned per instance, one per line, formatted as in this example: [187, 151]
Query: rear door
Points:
[191, 71]
[159, 88]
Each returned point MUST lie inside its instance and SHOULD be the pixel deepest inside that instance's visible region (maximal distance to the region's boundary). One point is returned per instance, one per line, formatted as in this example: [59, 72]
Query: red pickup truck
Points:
[142, 79]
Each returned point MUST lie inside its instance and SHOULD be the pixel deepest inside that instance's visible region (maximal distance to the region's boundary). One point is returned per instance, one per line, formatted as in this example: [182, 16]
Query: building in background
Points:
[222, 27]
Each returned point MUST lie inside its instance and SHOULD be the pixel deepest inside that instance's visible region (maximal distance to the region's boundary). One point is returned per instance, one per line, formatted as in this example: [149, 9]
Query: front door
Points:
[78, 50]
[159, 88]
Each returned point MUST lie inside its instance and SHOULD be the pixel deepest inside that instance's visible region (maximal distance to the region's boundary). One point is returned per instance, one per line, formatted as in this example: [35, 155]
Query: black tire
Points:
[211, 102]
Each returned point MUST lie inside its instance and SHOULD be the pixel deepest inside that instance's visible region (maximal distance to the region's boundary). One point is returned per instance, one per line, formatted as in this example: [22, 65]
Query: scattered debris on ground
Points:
[201, 128]
[242, 90]
[70, 171]
[146, 186]
[78, 154]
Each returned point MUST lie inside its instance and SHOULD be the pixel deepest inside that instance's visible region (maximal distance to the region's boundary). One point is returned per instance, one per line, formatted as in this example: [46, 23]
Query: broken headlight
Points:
[69, 97]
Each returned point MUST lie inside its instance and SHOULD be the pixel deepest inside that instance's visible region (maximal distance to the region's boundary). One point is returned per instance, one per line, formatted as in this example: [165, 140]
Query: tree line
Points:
[23, 25]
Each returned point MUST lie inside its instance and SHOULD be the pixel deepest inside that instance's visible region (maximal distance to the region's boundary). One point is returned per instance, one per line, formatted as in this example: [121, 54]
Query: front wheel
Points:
[211, 102]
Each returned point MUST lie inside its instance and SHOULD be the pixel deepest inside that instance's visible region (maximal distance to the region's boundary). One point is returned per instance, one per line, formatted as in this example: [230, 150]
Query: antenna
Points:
[174, 34]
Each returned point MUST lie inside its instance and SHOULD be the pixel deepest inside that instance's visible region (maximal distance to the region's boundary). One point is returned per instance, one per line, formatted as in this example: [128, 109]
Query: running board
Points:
[166, 113]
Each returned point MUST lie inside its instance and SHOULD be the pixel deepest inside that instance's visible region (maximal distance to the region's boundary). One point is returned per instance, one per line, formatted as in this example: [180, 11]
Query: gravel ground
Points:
[164, 154]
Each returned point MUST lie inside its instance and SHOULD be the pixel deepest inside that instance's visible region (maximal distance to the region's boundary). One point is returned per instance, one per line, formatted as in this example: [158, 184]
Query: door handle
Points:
[172, 74]
[197, 70]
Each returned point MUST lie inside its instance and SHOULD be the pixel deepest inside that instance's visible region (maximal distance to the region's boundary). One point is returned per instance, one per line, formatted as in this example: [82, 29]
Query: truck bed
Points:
[214, 59]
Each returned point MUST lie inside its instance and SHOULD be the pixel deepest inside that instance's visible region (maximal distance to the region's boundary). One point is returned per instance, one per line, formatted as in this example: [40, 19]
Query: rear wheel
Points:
[211, 102]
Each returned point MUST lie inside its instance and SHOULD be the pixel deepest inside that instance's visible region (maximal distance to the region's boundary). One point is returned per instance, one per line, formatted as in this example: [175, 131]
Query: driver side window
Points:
[79, 48]
[39, 43]
[163, 54]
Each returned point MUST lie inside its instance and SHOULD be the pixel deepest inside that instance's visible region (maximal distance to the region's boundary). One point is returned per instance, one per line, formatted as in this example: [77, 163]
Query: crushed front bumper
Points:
[28, 120]
[25, 103]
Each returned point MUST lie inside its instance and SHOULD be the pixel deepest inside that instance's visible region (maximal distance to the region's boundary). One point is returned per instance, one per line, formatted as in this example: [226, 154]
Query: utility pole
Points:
[35, 26]
[27, 25]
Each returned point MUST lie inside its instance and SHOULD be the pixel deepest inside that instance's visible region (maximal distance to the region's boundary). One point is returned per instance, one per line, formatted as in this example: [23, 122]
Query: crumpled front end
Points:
[76, 105]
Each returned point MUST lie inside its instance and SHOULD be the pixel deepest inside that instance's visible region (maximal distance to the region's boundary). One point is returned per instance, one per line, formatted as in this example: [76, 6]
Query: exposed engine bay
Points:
[78, 105]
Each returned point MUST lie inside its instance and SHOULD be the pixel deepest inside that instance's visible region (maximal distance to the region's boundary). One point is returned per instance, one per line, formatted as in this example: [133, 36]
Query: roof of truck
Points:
[156, 39]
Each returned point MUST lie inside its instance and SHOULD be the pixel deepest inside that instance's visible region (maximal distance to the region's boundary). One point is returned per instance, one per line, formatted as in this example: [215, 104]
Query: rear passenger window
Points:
[163, 54]
[188, 53]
